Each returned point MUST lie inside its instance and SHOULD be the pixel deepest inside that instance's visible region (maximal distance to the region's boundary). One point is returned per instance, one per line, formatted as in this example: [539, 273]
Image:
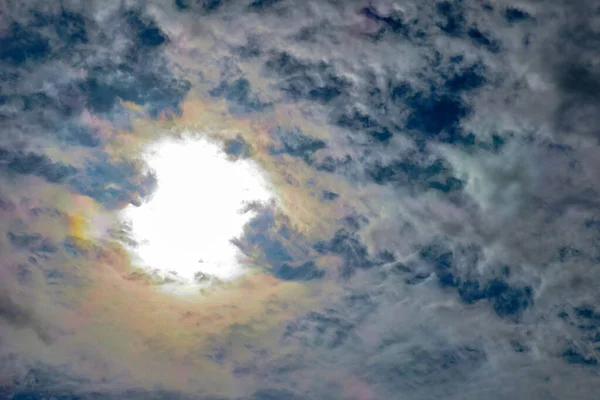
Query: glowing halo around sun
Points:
[184, 230]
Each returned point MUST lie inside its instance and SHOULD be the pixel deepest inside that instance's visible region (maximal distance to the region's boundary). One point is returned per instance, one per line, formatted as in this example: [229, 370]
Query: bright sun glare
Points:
[186, 227]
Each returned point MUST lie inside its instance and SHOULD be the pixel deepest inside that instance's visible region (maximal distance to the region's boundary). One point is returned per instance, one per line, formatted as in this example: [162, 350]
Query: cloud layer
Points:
[436, 233]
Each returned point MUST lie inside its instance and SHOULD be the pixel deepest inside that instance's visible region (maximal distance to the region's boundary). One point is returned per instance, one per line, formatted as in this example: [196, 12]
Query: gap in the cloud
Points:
[202, 201]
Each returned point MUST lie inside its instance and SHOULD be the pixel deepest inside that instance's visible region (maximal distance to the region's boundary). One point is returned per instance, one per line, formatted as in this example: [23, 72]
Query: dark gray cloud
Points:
[238, 94]
[285, 251]
[29, 163]
[295, 144]
[21, 316]
[114, 183]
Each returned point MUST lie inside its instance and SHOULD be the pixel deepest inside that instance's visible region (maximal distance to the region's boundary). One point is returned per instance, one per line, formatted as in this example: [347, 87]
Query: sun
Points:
[184, 230]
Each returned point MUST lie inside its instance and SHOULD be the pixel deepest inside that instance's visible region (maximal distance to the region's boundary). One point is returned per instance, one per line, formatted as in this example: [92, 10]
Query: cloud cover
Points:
[436, 163]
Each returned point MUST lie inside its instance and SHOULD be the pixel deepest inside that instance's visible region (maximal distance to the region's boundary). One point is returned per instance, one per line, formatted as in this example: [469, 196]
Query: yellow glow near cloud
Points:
[187, 225]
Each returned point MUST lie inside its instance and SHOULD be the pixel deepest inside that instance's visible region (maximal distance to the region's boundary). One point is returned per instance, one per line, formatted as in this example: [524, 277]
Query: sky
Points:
[435, 233]
[184, 230]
